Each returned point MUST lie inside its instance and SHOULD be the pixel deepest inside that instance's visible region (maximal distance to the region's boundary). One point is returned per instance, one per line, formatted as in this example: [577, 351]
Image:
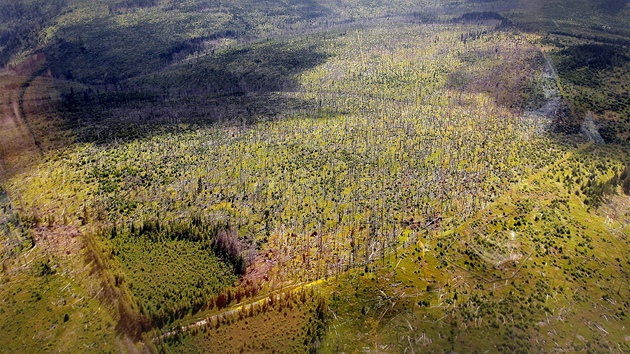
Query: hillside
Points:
[340, 176]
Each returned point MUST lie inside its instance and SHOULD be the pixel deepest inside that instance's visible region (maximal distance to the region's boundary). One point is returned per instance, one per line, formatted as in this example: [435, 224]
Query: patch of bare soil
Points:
[259, 271]
[60, 240]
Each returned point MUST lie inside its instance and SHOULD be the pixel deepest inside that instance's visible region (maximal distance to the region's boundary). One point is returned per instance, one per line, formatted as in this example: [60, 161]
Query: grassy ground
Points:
[51, 302]
[293, 323]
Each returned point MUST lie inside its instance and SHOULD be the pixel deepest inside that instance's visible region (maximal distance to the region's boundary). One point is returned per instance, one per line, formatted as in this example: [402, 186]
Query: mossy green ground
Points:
[564, 288]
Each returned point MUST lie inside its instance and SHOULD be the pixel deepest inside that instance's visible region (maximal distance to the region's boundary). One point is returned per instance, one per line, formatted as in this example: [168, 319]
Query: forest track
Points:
[241, 307]
[17, 143]
[19, 147]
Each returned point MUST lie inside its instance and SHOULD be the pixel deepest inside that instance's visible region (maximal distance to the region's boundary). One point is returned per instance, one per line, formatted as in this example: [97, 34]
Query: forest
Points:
[314, 176]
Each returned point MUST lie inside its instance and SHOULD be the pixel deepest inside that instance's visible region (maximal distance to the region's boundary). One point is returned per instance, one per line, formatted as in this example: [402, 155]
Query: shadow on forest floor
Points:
[234, 86]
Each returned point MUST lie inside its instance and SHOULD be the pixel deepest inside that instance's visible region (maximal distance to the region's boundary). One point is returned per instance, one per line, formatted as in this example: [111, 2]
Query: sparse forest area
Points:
[202, 176]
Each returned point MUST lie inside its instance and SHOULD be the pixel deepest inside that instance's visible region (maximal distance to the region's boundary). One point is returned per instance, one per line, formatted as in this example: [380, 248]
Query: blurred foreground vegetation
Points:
[338, 176]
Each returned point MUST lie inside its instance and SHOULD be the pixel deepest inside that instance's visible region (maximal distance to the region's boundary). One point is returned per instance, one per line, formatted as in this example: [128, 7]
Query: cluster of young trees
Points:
[179, 267]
